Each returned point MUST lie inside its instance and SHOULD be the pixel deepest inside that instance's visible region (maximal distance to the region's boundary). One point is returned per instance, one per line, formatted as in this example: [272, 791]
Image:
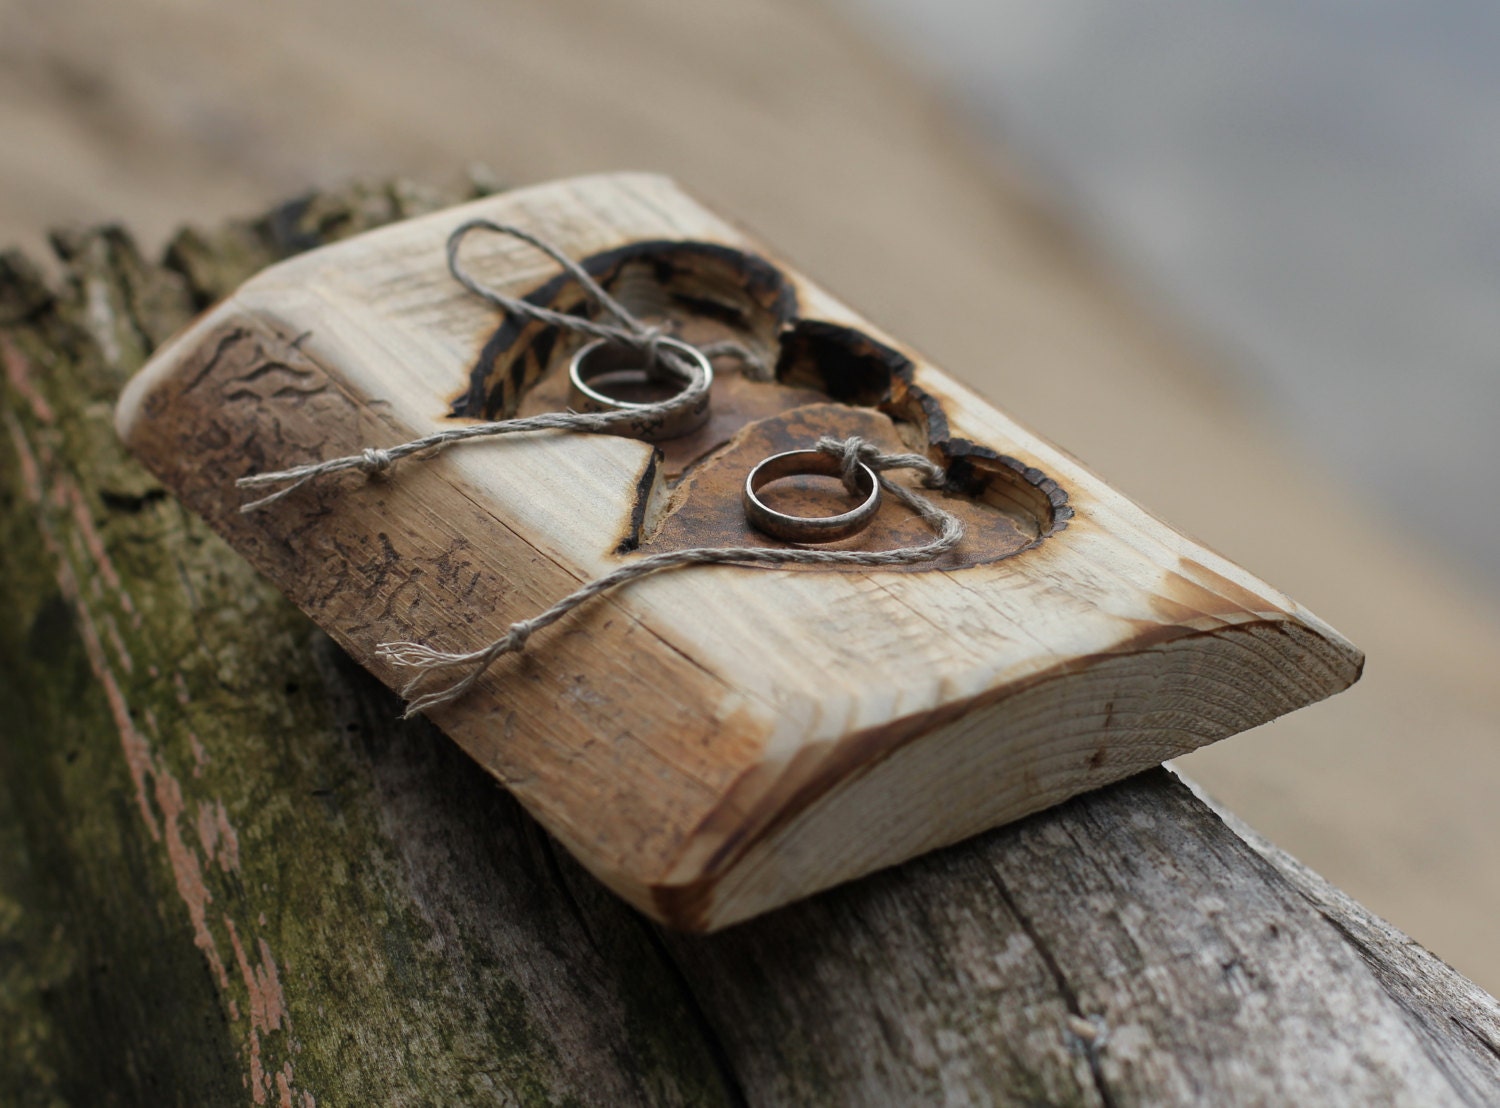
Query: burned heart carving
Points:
[806, 378]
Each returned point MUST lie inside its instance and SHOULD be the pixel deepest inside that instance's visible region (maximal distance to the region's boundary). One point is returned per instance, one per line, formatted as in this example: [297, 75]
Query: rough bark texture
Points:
[227, 874]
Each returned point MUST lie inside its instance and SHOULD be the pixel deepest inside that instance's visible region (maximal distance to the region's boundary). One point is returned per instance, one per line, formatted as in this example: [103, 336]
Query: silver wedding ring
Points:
[604, 360]
[815, 529]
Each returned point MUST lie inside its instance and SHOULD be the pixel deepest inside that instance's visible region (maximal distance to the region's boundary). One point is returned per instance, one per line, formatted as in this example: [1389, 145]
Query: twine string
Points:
[626, 329]
[428, 662]
[948, 532]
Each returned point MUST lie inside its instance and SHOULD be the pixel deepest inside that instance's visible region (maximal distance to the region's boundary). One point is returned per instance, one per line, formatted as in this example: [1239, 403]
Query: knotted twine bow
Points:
[947, 528]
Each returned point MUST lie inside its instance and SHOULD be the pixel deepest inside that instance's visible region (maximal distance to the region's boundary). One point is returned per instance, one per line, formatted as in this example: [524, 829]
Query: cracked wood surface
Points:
[227, 874]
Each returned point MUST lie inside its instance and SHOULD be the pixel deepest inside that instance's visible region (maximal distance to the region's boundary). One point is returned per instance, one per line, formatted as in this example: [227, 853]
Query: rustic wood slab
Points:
[712, 742]
[230, 874]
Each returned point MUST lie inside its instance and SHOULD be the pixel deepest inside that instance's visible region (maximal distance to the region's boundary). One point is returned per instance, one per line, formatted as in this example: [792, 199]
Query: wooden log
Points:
[229, 874]
[715, 742]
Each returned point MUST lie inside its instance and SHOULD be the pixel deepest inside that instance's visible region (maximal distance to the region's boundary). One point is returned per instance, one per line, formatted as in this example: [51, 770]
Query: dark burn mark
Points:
[846, 364]
[728, 314]
[541, 352]
[918, 406]
[631, 540]
[756, 302]
[518, 374]
[853, 368]
[716, 281]
[972, 470]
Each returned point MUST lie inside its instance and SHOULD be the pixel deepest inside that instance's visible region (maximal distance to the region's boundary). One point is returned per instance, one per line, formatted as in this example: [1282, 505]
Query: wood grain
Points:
[716, 742]
[229, 874]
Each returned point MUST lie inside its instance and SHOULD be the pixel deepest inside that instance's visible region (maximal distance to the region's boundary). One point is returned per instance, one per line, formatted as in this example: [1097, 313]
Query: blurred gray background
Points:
[1312, 185]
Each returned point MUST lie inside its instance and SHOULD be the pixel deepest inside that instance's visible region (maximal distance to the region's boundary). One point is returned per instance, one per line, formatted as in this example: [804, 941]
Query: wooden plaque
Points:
[711, 742]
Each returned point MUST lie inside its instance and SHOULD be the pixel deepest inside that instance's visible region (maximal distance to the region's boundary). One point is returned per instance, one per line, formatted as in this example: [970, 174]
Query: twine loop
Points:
[623, 327]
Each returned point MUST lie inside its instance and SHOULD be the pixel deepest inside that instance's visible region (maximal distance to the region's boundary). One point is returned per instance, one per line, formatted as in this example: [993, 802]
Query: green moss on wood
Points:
[284, 896]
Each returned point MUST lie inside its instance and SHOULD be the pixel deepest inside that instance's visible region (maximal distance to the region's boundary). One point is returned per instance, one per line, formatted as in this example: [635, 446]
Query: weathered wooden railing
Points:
[228, 874]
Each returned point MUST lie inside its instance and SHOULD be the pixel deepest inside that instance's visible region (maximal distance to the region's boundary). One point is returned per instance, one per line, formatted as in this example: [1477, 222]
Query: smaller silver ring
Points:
[815, 529]
[604, 356]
